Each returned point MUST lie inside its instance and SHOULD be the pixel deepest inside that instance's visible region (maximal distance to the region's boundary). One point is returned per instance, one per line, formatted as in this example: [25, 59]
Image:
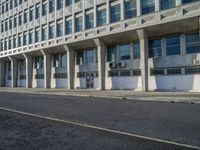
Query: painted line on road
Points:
[101, 129]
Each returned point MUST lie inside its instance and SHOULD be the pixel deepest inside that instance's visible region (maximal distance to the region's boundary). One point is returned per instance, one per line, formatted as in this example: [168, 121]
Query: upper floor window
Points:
[155, 48]
[44, 33]
[25, 42]
[111, 54]
[25, 16]
[51, 31]
[68, 26]
[101, 17]
[68, 2]
[115, 13]
[59, 4]
[20, 40]
[31, 37]
[51, 5]
[15, 22]
[90, 21]
[20, 19]
[59, 29]
[37, 35]
[37, 12]
[39, 62]
[173, 45]
[148, 6]
[124, 52]
[90, 56]
[11, 4]
[167, 4]
[130, 9]
[44, 9]
[16, 3]
[20, 2]
[136, 50]
[192, 43]
[78, 24]
[31, 14]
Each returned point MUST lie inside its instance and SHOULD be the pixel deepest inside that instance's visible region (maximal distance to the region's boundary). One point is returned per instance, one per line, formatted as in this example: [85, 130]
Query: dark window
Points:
[157, 71]
[148, 6]
[192, 70]
[192, 43]
[101, 17]
[124, 52]
[115, 13]
[155, 48]
[90, 56]
[136, 50]
[173, 45]
[189, 1]
[90, 21]
[167, 4]
[79, 57]
[111, 54]
[130, 9]
[172, 71]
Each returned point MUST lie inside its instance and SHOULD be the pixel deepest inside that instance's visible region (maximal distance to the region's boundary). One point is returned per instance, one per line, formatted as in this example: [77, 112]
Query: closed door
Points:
[89, 80]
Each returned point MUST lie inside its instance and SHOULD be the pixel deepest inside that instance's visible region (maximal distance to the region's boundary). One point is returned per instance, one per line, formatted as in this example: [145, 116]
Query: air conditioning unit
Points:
[112, 65]
[121, 64]
[196, 62]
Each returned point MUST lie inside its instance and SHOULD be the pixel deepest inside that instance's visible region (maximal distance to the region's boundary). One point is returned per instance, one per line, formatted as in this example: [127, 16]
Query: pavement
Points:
[178, 123]
[183, 97]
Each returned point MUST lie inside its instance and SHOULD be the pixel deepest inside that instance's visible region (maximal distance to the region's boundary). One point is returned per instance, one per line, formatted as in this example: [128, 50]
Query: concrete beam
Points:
[29, 70]
[144, 58]
[70, 65]
[101, 51]
[47, 68]
[13, 71]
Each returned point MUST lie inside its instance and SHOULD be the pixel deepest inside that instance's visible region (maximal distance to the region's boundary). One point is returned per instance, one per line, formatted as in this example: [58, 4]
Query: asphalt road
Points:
[177, 122]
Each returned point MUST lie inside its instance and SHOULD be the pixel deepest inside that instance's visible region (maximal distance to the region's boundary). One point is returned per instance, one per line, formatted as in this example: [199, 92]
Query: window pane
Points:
[79, 57]
[136, 50]
[130, 8]
[89, 21]
[90, 56]
[78, 23]
[193, 43]
[124, 51]
[188, 1]
[166, 4]
[101, 16]
[173, 45]
[155, 48]
[68, 27]
[148, 6]
[111, 55]
[115, 13]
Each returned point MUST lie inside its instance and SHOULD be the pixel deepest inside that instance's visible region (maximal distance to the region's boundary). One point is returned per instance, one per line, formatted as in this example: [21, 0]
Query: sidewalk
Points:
[122, 94]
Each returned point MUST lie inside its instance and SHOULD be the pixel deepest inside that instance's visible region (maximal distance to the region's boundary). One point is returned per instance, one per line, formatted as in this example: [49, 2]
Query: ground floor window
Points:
[192, 43]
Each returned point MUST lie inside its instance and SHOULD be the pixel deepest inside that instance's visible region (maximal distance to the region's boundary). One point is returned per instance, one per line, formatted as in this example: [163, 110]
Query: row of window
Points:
[175, 71]
[130, 10]
[127, 72]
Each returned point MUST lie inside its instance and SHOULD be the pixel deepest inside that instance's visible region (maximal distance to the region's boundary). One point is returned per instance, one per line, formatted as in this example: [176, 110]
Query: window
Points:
[6, 44]
[192, 70]
[44, 9]
[11, 4]
[79, 60]
[111, 54]
[39, 62]
[2, 26]
[10, 43]
[136, 50]
[31, 37]
[155, 48]
[68, 2]
[6, 25]
[7, 5]
[51, 6]
[25, 16]
[68, 26]
[10, 23]
[157, 72]
[31, 14]
[14, 41]
[25, 42]
[2, 45]
[15, 22]
[55, 60]
[101, 17]
[44, 33]
[130, 9]
[115, 13]
[37, 11]
[172, 71]
[59, 4]
[78, 23]
[90, 21]
[20, 2]
[192, 43]
[20, 40]
[148, 6]
[173, 45]
[90, 56]
[63, 61]
[59, 29]
[188, 1]
[20, 19]
[124, 52]
[16, 3]
[51, 31]
[37, 35]
[166, 4]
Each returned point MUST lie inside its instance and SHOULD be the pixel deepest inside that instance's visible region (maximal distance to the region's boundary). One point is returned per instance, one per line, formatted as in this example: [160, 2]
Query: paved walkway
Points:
[189, 97]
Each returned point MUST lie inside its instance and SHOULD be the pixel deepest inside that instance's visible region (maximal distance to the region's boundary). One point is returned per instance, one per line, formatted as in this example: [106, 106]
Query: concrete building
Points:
[100, 44]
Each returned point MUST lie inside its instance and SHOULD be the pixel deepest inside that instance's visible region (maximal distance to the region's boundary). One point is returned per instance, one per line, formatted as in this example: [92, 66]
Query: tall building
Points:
[100, 44]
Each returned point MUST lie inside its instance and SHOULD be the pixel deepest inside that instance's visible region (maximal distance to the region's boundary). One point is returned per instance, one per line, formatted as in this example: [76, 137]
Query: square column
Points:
[13, 71]
[47, 69]
[29, 70]
[101, 51]
[144, 58]
[70, 66]
[2, 74]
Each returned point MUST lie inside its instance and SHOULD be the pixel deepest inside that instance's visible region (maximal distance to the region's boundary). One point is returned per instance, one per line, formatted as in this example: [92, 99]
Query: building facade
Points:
[100, 44]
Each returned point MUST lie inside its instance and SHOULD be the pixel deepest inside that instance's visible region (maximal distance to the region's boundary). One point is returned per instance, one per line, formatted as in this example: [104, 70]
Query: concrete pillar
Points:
[157, 5]
[101, 51]
[13, 71]
[2, 73]
[47, 68]
[122, 9]
[138, 4]
[29, 70]
[70, 65]
[143, 57]
[107, 12]
[178, 2]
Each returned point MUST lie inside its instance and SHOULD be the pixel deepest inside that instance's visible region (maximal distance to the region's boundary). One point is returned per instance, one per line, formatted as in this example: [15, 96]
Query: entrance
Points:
[89, 80]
